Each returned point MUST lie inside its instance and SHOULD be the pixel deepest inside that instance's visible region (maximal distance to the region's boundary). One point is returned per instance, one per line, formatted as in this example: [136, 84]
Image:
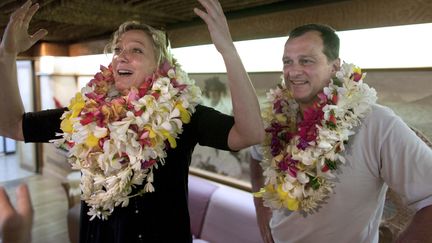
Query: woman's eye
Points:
[117, 50]
[137, 50]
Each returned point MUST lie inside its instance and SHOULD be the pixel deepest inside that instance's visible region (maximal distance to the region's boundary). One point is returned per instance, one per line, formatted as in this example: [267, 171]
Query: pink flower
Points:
[307, 127]
[98, 98]
[87, 118]
[164, 68]
[176, 85]
[133, 95]
[335, 97]
[156, 94]
[357, 76]
[277, 106]
[289, 165]
[145, 87]
[322, 98]
[332, 120]
[274, 129]
[147, 163]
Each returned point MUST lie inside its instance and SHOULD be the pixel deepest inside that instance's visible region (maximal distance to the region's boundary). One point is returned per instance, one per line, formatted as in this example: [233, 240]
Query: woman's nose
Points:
[123, 55]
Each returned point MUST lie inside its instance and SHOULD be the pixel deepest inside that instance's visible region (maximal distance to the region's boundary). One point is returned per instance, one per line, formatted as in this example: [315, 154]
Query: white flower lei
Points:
[116, 141]
[298, 176]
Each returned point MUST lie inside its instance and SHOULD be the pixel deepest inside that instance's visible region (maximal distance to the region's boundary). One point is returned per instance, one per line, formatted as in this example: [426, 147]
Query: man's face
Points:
[306, 69]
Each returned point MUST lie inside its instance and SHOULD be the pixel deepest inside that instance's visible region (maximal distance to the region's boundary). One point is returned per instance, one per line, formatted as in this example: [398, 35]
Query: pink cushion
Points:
[200, 191]
[231, 217]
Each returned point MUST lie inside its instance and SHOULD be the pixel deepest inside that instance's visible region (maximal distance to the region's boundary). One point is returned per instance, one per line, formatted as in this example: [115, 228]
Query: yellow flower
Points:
[270, 188]
[76, 105]
[281, 118]
[259, 193]
[357, 69]
[66, 124]
[289, 202]
[281, 193]
[184, 114]
[152, 134]
[170, 138]
[92, 141]
[267, 188]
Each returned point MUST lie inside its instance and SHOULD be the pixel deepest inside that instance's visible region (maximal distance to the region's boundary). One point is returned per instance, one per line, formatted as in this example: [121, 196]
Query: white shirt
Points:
[384, 151]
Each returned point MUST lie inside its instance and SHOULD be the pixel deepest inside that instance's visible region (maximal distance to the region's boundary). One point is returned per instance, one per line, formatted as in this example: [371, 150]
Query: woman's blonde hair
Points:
[160, 42]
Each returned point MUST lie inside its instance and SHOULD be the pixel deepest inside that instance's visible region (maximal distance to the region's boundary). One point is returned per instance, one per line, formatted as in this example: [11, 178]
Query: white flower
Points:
[148, 187]
[297, 192]
[305, 156]
[171, 73]
[100, 132]
[302, 177]
[287, 186]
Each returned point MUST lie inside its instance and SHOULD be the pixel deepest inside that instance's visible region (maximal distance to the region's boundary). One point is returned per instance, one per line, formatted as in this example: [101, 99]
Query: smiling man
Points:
[331, 152]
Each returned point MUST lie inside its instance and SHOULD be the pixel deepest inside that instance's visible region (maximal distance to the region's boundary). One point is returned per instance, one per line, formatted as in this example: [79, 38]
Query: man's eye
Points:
[287, 62]
[306, 61]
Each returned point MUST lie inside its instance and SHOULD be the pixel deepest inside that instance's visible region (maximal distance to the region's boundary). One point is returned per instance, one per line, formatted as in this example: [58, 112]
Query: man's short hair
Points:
[330, 39]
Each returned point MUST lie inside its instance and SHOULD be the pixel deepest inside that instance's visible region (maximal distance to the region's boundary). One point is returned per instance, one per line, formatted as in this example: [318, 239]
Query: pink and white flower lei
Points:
[118, 140]
[301, 155]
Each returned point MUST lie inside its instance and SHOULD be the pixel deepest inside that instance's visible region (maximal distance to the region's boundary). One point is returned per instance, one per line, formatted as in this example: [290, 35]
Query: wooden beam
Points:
[88, 47]
[54, 49]
[46, 49]
[345, 15]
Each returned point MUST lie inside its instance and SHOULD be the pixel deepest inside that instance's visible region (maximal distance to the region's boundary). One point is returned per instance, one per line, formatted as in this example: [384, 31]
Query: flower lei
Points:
[300, 155]
[117, 141]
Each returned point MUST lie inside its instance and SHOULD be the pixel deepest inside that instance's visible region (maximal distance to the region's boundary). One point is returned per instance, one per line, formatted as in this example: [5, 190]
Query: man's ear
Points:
[335, 65]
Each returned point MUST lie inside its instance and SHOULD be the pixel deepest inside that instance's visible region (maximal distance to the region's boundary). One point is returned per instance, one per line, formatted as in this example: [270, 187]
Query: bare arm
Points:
[248, 128]
[16, 224]
[263, 213]
[15, 40]
[419, 230]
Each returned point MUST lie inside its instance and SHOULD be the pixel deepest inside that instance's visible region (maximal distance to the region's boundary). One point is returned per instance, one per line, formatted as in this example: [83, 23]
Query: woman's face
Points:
[133, 60]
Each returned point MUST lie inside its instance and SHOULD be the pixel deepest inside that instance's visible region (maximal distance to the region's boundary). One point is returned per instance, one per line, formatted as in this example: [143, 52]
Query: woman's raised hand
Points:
[16, 38]
[217, 25]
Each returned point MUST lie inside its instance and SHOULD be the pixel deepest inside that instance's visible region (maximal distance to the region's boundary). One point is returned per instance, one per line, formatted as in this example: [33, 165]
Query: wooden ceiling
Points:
[79, 27]
[72, 21]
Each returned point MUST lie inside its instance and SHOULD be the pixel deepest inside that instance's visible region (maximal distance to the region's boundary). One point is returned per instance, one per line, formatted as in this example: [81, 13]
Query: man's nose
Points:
[294, 71]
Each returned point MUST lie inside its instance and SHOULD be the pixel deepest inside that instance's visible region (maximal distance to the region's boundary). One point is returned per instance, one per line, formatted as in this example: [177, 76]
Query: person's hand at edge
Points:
[16, 223]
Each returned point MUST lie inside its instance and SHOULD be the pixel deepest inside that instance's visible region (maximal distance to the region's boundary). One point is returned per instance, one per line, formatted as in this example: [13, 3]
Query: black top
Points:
[160, 216]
